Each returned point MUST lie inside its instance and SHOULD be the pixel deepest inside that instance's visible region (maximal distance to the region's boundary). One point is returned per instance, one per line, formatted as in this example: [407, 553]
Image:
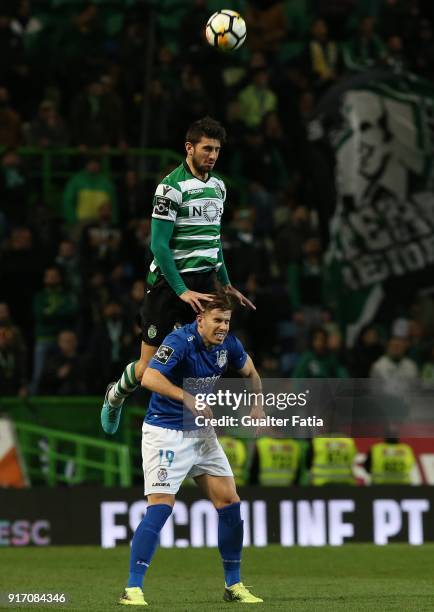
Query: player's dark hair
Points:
[208, 127]
[221, 301]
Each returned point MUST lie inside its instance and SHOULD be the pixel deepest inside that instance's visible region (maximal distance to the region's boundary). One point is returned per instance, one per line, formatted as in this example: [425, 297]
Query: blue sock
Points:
[145, 542]
[230, 541]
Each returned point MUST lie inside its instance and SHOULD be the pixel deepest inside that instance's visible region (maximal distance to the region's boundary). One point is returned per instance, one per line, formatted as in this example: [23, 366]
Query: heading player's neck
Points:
[203, 176]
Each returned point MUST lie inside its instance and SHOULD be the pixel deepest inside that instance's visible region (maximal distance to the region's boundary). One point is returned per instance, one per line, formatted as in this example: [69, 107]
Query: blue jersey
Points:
[186, 362]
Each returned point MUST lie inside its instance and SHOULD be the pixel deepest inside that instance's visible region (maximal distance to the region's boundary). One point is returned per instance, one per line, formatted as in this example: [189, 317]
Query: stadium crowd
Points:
[72, 273]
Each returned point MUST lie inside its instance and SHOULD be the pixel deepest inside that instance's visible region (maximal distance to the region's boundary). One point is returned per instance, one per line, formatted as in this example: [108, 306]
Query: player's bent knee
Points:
[226, 500]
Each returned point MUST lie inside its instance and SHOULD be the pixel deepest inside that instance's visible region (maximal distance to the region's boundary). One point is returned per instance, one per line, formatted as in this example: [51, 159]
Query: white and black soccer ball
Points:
[226, 30]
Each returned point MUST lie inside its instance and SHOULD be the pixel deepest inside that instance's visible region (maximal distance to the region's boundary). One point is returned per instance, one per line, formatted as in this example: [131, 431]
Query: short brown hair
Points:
[221, 301]
[208, 127]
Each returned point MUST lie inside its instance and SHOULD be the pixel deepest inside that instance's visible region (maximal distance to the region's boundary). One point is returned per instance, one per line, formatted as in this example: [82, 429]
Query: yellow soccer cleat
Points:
[133, 596]
[238, 592]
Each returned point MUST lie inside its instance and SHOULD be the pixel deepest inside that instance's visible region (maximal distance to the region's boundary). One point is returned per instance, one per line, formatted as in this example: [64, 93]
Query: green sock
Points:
[124, 386]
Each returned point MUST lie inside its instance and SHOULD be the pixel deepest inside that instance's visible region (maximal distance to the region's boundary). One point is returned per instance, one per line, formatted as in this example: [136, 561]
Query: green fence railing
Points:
[53, 457]
[52, 167]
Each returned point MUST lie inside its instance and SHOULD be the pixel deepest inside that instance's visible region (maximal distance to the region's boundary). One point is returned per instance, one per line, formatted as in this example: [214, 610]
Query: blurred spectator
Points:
[48, 129]
[67, 260]
[257, 99]
[10, 122]
[367, 350]
[394, 368]
[332, 461]
[13, 363]
[101, 242]
[86, 191]
[290, 238]
[323, 55]
[427, 370]
[110, 345]
[20, 259]
[54, 309]
[318, 362]
[335, 12]
[132, 198]
[96, 118]
[257, 160]
[365, 49]
[13, 189]
[138, 241]
[266, 25]
[24, 24]
[305, 283]
[6, 321]
[395, 53]
[390, 462]
[133, 301]
[11, 48]
[245, 255]
[64, 370]
[421, 50]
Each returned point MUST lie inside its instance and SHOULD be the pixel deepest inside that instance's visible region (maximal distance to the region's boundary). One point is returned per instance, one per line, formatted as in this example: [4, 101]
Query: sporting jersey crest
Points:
[222, 358]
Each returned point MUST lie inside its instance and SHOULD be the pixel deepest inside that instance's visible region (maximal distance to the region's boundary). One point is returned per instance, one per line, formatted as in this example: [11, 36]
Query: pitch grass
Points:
[353, 577]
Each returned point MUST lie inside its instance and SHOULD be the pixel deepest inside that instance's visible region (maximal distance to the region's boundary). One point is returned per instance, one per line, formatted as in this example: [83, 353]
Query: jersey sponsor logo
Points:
[199, 384]
[211, 211]
[163, 354]
[190, 338]
[162, 206]
[152, 331]
[162, 474]
[166, 189]
[194, 191]
[222, 358]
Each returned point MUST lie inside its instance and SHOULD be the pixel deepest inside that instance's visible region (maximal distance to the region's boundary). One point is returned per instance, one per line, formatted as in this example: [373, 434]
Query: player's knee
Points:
[226, 500]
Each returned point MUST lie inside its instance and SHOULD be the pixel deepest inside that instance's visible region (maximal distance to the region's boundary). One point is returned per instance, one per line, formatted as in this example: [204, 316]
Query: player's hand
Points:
[239, 296]
[194, 299]
[190, 404]
[257, 412]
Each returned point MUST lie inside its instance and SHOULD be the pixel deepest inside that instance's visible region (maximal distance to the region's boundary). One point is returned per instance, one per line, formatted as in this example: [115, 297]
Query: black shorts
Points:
[162, 310]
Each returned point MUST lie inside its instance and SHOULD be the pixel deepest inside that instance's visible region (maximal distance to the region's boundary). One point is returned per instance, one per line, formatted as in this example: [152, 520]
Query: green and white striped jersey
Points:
[196, 208]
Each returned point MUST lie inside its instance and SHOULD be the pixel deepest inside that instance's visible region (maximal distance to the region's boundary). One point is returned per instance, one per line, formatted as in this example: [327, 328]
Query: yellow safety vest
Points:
[332, 461]
[235, 451]
[278, 461]
[391, 463]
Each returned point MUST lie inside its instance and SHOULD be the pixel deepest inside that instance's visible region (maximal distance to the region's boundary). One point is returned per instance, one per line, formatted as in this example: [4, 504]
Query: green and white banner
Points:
[383, 223]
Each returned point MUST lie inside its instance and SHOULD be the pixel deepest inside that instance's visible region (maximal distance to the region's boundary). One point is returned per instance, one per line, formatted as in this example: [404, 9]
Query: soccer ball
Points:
[226, 30]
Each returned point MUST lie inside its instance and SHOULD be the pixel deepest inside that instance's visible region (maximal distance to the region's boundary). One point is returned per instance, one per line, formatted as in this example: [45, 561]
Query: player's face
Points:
[204, 154]
[213, 326]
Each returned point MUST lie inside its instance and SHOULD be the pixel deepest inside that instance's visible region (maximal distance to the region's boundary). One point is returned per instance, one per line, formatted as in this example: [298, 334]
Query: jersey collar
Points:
[187, 169]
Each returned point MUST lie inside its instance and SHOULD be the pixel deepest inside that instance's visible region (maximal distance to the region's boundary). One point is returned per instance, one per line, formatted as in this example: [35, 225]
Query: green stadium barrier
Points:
[89, 458]
[52, 167]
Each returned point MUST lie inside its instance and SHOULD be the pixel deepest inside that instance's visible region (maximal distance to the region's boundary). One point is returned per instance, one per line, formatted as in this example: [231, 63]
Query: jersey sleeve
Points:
[166, 202]
[169, 354]
[237, 354]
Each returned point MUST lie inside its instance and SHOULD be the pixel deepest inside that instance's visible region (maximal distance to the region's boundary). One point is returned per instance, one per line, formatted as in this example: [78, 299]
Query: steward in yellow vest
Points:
[332, 461]
[236, 452]
[391, 462]
[279, 461]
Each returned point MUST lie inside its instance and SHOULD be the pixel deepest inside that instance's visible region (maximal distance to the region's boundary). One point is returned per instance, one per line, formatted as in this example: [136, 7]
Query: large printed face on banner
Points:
[382, 147]
[383, 225]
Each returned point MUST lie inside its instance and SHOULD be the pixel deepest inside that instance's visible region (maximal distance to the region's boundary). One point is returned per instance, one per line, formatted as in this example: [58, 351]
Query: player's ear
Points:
[189, 148]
